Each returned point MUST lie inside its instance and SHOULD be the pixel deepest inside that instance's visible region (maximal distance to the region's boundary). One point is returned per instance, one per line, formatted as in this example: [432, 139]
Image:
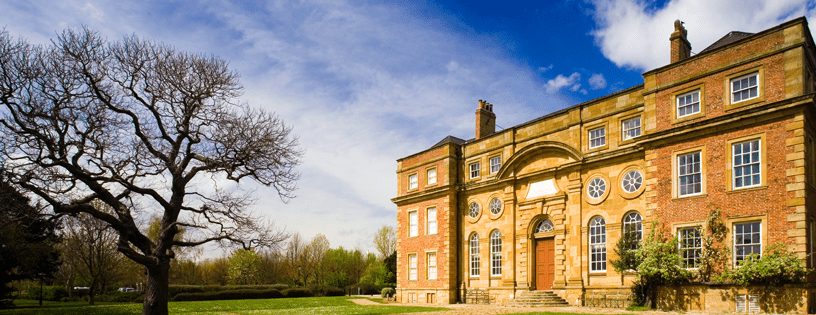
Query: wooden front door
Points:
[545, 264]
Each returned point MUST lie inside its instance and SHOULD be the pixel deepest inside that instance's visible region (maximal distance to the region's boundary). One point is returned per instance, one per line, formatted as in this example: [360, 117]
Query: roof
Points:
[727, 39]
[449, 139]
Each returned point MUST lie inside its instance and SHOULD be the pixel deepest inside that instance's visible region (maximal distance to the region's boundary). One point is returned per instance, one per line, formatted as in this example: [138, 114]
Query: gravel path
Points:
[468, 309]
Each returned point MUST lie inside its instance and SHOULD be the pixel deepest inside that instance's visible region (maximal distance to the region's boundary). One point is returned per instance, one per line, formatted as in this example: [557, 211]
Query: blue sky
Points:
[364, 83]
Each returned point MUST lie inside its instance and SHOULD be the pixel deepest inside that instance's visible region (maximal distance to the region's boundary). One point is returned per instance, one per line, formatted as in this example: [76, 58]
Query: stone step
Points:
[537, 299]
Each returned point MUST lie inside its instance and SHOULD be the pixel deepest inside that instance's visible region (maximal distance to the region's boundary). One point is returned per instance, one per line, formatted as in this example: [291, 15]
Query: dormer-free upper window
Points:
[431, 176]
[495, 164]
[745, 87]
[688, 104]
[412, 181]
[631, 128]
[597, 137]
[474, 170]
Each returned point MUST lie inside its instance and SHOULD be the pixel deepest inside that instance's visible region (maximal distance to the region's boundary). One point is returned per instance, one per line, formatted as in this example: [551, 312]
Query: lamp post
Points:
[41, 275]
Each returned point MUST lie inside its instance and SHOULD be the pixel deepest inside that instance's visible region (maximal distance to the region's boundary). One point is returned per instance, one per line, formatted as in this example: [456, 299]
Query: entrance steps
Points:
[537, 299]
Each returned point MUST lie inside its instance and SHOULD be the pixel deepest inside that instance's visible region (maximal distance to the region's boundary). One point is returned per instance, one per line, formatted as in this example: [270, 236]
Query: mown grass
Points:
[316, 305]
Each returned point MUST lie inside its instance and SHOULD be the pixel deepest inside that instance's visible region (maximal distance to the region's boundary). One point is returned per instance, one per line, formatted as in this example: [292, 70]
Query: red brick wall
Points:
[771, 200]
[422, 243]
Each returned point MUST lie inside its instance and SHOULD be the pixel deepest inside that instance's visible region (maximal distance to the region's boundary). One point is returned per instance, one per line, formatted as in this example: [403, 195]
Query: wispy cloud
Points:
[633, 34]
[597, 81]
[362, 85]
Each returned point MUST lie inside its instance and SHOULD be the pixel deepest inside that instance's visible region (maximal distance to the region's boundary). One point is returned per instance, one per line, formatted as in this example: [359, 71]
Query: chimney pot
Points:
[680, 46]
[485, 120]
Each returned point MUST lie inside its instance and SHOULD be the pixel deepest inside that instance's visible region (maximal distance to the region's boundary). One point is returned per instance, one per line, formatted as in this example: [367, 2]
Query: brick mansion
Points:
[540, 206]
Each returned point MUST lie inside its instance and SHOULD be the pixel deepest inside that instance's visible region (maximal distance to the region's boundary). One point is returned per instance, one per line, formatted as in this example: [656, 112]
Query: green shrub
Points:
[776, 267]
[177, 289]
[333, 291]
[297, 292]
[365, 288]
[50, 293]
[387, 292]
[229, 295]
[116, 296]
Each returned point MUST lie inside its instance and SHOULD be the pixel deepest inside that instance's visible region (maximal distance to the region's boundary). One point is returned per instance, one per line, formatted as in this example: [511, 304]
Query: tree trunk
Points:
[156, 295]
[91, 292]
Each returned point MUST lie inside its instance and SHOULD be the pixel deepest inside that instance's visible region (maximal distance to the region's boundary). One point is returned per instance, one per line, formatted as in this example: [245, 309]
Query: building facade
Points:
[541, 205]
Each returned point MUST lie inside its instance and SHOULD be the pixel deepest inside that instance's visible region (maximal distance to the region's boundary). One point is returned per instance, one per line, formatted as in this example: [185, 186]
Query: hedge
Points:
[298, 292]
[50, 293]
[229, 295]
[173, 290]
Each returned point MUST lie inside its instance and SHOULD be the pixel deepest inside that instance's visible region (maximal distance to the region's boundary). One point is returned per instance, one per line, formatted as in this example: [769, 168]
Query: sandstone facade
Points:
[541, 205]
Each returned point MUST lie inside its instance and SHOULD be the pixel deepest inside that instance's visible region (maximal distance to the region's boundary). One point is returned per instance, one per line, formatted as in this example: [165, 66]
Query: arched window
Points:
[632, 223]
[544, 226]
[597, 244]
[495, 253]
[474, 255]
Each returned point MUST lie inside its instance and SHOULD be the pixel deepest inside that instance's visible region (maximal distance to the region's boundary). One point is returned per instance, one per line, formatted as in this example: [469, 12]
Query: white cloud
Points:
[544, 69]
[341, 75]
[560, 82]
[597, 81]
[632, 34]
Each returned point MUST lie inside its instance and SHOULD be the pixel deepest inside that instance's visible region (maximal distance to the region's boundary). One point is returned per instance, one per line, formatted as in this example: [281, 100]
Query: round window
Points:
[473, 210]
[632, 181]
[596, 188]
[495, 206]
[544, 226]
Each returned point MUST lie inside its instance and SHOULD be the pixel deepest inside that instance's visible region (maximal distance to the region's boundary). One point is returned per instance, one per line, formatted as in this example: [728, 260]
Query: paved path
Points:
[468, 309]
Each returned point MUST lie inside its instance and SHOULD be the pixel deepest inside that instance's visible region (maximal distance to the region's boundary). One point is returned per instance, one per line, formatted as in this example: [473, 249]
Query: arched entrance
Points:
[544, 256]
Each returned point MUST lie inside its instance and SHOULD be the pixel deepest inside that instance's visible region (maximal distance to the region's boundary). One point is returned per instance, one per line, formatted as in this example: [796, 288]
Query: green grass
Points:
[317, 305]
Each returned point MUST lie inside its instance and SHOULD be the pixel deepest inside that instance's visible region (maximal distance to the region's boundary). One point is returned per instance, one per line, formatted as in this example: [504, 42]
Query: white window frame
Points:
[430, 218]
[757, 163]
[597, 244]
[474, 209]
[630, 131]
[474, 170]
[413, 181]
[689, 174]
[633, 181]
[430, 263]
[413, 223]
[495, 254]
[734, 228]
[475, 261]
[431, 176]
[495, 204]
[741, 89]
[597, 134]
[495, 164]
[596, 184]
[633, 220]
[690, 105]
[690, 240]
[412, 266]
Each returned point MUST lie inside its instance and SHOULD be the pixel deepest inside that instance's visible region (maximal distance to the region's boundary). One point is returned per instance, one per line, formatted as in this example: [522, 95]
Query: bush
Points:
[178, 289]
[776, 267]
[50, 293]
[333, 291]
[229, 295]
[387, 292]
[116, 296]
[365, 288]
[298, 292]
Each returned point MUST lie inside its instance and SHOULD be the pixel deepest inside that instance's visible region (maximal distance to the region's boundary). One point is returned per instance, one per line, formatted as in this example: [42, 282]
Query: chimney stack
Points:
[680, 46]
[485, 120]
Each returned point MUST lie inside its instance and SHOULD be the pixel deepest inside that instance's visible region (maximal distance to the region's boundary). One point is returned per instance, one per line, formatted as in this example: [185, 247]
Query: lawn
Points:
[316, 305]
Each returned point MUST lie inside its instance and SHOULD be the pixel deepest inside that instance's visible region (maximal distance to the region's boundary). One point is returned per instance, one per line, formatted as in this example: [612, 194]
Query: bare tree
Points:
[89, 250]
[386, 241]
[140, 126]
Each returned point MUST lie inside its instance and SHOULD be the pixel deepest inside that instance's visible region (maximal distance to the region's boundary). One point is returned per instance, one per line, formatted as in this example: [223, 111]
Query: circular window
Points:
[544, 226]
[596, 187]
[473, 210]
[632, 181]
[495, 206]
